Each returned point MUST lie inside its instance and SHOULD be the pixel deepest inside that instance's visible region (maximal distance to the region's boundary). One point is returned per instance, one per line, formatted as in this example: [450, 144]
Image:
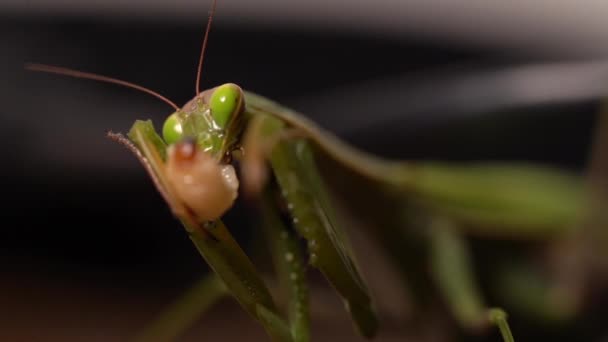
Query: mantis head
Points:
[201, 137]
[213, 119]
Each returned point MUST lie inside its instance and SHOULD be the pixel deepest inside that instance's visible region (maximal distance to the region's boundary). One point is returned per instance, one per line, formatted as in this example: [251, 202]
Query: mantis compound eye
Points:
[172, 129]
[204, 185]
[225, 103]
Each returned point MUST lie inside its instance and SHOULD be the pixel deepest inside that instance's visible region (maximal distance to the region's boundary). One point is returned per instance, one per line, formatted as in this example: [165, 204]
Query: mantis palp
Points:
[191, 167]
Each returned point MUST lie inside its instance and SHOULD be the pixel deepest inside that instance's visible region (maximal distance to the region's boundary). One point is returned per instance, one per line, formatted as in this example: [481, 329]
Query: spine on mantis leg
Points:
[302, 190]
[290, 266]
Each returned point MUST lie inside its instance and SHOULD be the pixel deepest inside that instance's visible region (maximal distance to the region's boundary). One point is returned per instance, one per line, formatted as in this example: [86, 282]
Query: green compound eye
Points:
[224, 103]
[172, 129]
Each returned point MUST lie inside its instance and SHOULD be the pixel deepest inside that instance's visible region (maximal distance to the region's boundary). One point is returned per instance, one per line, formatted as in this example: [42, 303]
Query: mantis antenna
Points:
[201, 57]
[101, 78]
[87, 75]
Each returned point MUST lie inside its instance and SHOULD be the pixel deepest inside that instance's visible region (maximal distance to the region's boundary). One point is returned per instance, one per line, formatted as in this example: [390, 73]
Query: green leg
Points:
[453, 273]
[499, 318]
[303, 191]
[183, 312]
[290, 266]
[212, 239]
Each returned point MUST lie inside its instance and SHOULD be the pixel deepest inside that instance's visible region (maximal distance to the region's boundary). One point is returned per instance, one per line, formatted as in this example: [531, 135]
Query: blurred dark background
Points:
[84, 230]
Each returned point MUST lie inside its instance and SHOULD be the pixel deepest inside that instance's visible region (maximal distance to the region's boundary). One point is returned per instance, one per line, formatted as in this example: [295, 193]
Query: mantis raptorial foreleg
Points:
[291, 271]
[214, 242]
[308, 205]
[290, 266]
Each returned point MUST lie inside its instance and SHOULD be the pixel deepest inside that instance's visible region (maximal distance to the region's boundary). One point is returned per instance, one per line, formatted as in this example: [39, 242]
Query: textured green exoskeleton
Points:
[300, 185]
[518, 201]
[507, 200]
[304, 193]
[216, 122]
[214, 119]
[514, 201]
[212, 239]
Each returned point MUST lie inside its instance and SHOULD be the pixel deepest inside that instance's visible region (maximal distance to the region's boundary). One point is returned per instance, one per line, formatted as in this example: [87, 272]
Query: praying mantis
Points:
[278, 149]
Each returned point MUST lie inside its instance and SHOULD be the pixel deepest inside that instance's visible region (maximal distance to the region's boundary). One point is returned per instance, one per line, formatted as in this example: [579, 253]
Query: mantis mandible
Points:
[191, 166]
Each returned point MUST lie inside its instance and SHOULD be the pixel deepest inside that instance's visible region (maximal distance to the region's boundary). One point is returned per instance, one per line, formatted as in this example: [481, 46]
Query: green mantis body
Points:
[191, 167]
[292, 161]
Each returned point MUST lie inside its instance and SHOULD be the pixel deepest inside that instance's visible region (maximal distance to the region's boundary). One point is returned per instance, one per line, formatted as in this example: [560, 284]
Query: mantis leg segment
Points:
[302, 190]
[308, 205]
[213, 241]
[121, 139]
[290, 266]
[499, 318]
[183, 312]
[275, 326]
[452, 270]
[244, 282]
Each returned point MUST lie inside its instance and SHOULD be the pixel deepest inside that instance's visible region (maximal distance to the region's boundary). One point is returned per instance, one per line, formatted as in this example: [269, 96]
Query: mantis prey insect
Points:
[191, 166]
